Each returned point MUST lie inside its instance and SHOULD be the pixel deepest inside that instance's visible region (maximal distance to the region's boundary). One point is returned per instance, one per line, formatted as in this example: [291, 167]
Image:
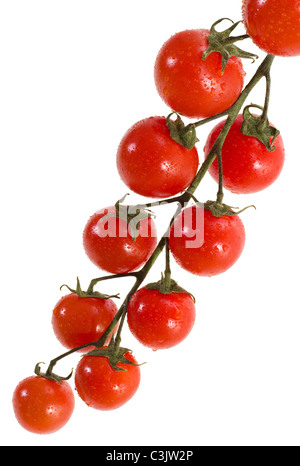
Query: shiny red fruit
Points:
[110, 244]
[103, 388]
[274, 25]
[159, 320]
[248, 167]
[191, 86]
[152, 164]
[43, 406]
[209, 248]
[77, 321]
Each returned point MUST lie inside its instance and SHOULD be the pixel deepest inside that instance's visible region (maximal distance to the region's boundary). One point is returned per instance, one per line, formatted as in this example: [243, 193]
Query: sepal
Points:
[168, 287]
[224, 44]
[87, 294]
[115, 354]
[178, 132]
[259, 128]
[219, 209]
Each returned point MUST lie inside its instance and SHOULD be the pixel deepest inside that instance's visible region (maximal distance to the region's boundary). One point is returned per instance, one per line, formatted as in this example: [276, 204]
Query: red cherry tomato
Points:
[103, 388]
[110, 245]
[209, 252]
[248, 166]
[152, 164]
[43, 406]
[77, 321]
[158, 320]
[274, 25]
[191, 86]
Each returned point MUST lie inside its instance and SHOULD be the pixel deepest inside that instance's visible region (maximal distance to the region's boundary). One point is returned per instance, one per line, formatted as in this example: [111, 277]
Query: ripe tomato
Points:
[43, 406]
[159, 320]
[248, 166]
[191, 86]
[77, 321]
[273, 25]
[109, 243]
[151, 163]
[209, 252]
[101, 387]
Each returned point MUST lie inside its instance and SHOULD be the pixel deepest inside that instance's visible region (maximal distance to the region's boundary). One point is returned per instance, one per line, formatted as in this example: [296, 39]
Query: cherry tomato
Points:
[159, 320]
[77, 321]
[248, 166]
[152, 164]
[191, 86]
[274, 25]
[206, 249]
[110, 245]
[103, 388]
[43, 406]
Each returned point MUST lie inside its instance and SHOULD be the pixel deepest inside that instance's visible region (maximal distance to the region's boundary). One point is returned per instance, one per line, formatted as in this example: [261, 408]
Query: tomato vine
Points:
[108, 356]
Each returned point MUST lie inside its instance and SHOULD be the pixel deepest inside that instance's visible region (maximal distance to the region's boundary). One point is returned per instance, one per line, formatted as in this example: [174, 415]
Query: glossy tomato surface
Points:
[191, 86]
[109, 243]
[43, 406]
[159, 320]
[103, 388]
[208, 249]
[77, 321]
[248, 166]
[152, 164]
[274, 25]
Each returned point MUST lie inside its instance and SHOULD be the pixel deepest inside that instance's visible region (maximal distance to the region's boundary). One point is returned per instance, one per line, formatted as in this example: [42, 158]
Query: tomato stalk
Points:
[264, 116]
[182, 200]
[168, 266]
[220, 195]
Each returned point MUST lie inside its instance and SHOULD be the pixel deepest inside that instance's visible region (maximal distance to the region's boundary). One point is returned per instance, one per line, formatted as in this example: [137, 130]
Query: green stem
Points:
[168, 267]
[220, 195]
[264, 116]
[95, 281]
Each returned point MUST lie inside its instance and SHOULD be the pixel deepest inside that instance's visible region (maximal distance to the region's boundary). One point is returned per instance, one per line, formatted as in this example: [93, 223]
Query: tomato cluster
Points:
[157, 158]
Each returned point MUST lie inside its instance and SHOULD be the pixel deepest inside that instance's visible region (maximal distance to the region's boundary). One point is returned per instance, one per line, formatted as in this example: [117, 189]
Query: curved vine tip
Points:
[49, 374]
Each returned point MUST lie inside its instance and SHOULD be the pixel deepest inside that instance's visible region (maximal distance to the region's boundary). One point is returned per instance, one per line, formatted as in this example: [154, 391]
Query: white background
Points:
[75, 75]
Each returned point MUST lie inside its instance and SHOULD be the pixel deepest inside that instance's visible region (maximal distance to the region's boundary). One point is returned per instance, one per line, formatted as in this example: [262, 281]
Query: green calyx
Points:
[50, 375]
[167, 286]
[224, 44]
[219, 209]
[132, 216]
[179, 132]
[89, 294]
[114, 353]
[259, 128]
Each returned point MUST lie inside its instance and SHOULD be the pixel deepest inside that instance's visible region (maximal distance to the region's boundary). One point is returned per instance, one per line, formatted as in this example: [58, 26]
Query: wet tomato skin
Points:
[191, 86]
[77, 321]
[43, 406]
[248, 167]
[158, 320]
[103, 388]
[221, 245]
[110, 246]
[151, 163]
[273, 25]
